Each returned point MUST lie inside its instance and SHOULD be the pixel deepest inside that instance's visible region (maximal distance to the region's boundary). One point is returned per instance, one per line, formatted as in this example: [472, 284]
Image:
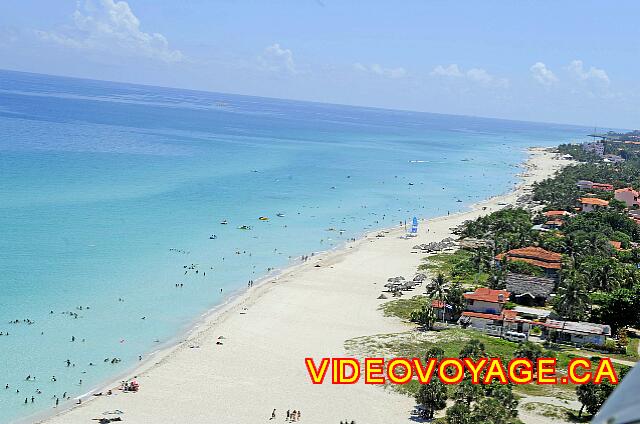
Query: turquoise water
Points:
[109, 190]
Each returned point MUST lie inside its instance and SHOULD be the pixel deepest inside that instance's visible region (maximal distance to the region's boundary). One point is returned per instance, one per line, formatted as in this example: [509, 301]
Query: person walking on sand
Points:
[298, 416]
[273, 415]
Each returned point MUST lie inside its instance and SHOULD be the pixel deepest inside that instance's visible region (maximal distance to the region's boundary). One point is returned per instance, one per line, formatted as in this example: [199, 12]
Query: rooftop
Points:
[535, 256]
[579, 327]
[593, 201]
[488, 295]
[549, 214]
[521, 285]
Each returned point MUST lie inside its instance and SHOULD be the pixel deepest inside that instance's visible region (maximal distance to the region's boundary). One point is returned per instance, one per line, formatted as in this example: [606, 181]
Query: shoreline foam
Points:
[224, 317]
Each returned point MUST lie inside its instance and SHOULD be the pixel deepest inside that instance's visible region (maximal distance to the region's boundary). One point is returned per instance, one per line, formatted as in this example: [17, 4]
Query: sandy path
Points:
[307, 311]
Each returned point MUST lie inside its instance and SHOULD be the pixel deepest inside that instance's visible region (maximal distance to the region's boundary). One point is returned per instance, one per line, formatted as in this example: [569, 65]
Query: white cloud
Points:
[542, 74]
[276, 59]
[450, 71]
[108, 26]
[476, 75]
[598, 76]
[377, 69]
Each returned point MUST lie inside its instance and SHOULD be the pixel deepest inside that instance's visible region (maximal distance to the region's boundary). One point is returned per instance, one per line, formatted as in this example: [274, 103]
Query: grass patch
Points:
[456, 266]
[402, 308]
[410, 344]
[632, 349]
[557, 412]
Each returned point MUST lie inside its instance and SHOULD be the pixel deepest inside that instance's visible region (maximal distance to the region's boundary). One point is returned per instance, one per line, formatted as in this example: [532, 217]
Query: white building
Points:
[595, 147]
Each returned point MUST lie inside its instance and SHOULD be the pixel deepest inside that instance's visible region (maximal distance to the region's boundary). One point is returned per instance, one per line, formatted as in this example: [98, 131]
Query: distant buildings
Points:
[613, 159]
[595, 147]
[590, 204]
[590, 185]
[627, 195]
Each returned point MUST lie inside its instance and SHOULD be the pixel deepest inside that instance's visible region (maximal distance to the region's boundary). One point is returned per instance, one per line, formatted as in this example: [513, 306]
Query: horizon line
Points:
[308, 101]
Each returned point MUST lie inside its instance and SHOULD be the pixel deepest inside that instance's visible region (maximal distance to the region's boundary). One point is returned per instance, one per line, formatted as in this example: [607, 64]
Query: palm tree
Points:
[438, 290]
[572, 301]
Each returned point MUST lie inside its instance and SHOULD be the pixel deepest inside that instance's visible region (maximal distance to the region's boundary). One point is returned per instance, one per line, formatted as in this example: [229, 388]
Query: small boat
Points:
[263, 218]
[224, 222]
[244, 227]
[280, 215]
[213, 237]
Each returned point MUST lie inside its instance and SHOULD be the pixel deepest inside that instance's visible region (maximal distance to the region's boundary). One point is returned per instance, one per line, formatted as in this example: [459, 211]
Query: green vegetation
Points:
[459, 266]
[508, 228]
[450, 343]
[557, 412]
[402, 308]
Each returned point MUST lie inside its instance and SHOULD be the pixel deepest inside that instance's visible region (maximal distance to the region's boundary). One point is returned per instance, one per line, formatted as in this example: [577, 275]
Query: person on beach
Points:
[273, 415]
[288, 414]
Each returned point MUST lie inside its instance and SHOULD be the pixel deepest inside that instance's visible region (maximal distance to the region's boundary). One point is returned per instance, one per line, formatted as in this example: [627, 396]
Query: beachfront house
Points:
[530, 290]
[496, 324]
[590, 204]
[486, 300]
[550, 262]
[627, 195]
[576, 332]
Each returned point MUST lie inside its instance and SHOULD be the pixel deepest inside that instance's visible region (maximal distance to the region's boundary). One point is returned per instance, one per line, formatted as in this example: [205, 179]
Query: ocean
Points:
[113, 197]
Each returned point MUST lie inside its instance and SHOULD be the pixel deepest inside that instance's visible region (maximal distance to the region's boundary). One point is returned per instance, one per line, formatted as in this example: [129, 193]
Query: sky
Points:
[571, 61]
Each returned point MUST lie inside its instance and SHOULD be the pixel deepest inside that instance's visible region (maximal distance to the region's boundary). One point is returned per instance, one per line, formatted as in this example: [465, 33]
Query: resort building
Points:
[590, 204]
[590, 185]
[627, 195]
[576, 332]
[551, 262]
[530, 290]
[596, 147]
[613, 159]
[584, 184]
[487, 301]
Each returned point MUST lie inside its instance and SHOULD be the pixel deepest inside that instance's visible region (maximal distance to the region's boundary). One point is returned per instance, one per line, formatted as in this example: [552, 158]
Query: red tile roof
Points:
[593, 201]
[438, 304]
[509, 314]
[481, 315]
[556, 213]
[602, 186]
[488, 295]
[629, 189]
[557, 222]
[616, 244]
[506, 315]
[535, 256]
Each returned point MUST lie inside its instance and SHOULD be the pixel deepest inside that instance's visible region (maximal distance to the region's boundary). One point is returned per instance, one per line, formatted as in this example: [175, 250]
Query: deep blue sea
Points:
[110, 194]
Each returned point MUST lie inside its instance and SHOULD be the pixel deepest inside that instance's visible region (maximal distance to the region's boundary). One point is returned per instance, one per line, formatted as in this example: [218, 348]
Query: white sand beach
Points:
[270, 329]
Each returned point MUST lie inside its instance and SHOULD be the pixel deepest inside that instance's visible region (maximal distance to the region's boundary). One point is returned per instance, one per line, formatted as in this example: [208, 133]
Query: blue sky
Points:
[556, 61]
